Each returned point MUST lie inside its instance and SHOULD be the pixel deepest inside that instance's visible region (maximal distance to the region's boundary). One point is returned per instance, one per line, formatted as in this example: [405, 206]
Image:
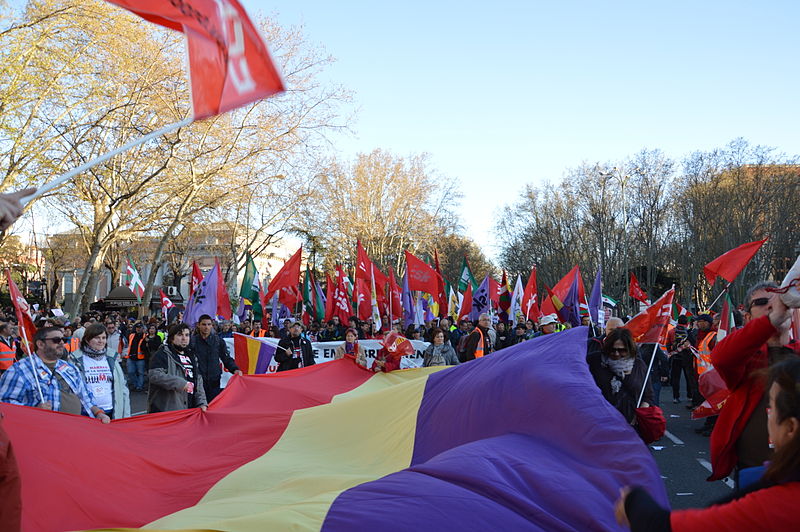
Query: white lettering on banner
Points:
[238, 70]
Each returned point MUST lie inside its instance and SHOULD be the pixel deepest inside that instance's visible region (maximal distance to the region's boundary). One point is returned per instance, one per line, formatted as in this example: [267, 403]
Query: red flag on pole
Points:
[27, 330]
[361, 296]
[223, 299]
[635, 290]
[651, 325]
[395, 297]
[442, 295]
[166, 303]
[422, 277]
[730, 264]
[530, 304]
[330, 289]
[466, 304]
[197, 278]
[341, 302]
[561, 289]
[287, 277]
[229, 64]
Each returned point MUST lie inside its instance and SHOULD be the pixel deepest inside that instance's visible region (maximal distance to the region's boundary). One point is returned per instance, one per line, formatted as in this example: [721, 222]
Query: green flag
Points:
[249, 294]
[308, 294]
[466, 277]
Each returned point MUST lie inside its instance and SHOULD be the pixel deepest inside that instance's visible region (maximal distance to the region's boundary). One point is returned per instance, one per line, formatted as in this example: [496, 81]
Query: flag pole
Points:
[647, 375]
[719, 296]
[63, 178]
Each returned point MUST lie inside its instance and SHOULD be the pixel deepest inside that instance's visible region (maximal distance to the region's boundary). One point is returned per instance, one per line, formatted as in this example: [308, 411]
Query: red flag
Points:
[730, 264]
[27, 330]
[561, 289]
[166, 303]
[422, 277]
[361, 297]
[288, 277]
[197, 278]
[395, 297]
[530, 305]
[442, 295]
[330, 289]
[466, 304]
[494, 291]
[636, 292]
[651, 325]
[341, 302]
[223, 299]
[363, 263]
[229, 64]
[504, 299]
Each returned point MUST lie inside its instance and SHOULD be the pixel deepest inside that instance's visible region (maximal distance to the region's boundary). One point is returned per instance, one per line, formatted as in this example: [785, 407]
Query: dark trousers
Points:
[683, 364]
[211, 388]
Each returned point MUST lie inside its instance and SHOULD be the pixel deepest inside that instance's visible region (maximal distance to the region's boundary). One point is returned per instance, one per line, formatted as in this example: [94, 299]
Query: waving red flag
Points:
[442, 295]
[287, 277]
[635, 290]
[223, 299]
[466, 304]
[422, 277]
[650, 325]
[229, 64]
[340, 299]
[197, 278]
[561, 289]
[730, 264]
[330, 290]
[27, 330]
[395, 297]
[530, 304]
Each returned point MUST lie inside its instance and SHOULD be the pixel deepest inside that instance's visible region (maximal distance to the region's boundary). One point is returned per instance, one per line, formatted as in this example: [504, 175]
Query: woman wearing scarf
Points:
[102, 373]
[439, 352]
[350, 347]
[175, 382]
[620, 374]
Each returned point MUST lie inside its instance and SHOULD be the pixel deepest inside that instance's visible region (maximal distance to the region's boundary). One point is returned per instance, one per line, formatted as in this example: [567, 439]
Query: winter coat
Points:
[443, 355]
[209, 353]
[361, 355]
[284, 354]
[119, 386]
[625, 399]
[168, 379]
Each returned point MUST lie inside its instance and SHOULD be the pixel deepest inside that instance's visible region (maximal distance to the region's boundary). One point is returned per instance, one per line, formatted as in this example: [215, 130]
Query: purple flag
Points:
[409, 308]
[571, 311]
[203, 300]
[596, 298]
[481, 302]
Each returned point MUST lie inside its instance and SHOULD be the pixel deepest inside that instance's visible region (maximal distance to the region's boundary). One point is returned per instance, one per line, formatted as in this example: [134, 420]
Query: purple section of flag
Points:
[596, 298]
[409, 308]
[203, 300]
[518, 440]
[265, 354]
[481, 301]
[571, 311]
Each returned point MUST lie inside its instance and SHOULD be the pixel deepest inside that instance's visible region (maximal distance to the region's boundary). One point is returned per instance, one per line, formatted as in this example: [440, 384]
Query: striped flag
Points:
[132, 279]
[726, 318]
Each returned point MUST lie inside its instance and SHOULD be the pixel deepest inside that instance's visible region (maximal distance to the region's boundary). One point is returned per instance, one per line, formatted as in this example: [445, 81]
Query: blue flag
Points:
[481, 301]
[596, 298]
[203, 300]
[571, 311]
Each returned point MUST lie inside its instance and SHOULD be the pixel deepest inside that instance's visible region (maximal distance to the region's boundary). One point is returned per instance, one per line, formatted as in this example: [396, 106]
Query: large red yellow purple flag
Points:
[335, 447]
[229, 63]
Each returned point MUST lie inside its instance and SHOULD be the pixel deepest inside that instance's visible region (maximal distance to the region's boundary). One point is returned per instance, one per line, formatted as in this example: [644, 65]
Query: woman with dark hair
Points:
[620, 374]
[175, 382]
[439, 352]
[102, 372]
[769, 504]
[350, 347]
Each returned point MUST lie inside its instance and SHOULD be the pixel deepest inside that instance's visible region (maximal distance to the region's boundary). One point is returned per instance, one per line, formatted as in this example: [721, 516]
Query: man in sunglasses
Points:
[46, 381]
[739, 439]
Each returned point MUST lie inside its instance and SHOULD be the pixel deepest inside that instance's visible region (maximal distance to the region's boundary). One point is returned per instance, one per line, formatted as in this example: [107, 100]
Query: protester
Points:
[739, 438]
[135, 358]
[547, 325]
[331, 333]
[351, 347]
[519, 334]
[682, 362]
[659, 370]
[211, 351]
[8, 347]
[294, 351]
[503, 338]
[478, 343]
[769, 504]
[385, 361]
[102, 373]
[257, 331]
[151, 344]
[175, 380]
[57, 384]
[620, 374]
[115, 340]
[439, 352]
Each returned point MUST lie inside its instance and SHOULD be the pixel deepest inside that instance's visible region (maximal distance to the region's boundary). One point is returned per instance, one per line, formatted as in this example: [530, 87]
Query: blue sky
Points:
[506, 93]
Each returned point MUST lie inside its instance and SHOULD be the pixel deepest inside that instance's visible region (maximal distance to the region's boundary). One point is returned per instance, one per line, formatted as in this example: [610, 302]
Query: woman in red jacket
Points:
[770, 504]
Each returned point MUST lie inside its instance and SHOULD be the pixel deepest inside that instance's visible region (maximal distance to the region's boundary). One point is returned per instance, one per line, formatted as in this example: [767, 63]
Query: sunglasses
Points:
[618, 350]
[60, 340]
[759, 302]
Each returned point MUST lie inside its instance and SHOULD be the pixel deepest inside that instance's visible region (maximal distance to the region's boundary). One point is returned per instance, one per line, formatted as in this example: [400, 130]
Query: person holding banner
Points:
[46, 381]
[350, 347]
[294, 351]
[620, 374]
[102, 372]
[439, 352]
[175, 380]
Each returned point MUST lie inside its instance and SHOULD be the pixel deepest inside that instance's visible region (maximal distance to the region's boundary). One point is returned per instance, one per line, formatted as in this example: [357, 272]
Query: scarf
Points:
[95, 354]
[619, 368]
[351, 349]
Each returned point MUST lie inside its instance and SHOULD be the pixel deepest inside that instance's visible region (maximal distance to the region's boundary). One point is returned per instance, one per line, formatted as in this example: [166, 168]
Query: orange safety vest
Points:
[138, 353]
[479, 349]
[8, 355]
[704, 349]
[261, 334]
[73, 344]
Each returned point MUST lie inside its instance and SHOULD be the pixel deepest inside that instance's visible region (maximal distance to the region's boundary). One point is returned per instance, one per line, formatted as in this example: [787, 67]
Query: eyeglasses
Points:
[759, 302]
[59, 340]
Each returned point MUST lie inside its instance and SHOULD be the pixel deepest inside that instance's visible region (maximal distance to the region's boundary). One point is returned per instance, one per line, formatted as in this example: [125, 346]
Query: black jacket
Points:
[284, 354]
[625, 399]
[209, 353]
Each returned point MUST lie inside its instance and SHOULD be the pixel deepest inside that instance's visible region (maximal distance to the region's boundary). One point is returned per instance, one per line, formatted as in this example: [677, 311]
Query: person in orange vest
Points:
[478, 343]
[135, 357]
[8, 347]
[257, 331]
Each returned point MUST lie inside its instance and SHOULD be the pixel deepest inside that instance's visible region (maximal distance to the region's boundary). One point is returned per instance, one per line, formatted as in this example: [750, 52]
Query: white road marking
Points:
[139, 413]
[705, 463]
[684, 494]
[675, 439]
